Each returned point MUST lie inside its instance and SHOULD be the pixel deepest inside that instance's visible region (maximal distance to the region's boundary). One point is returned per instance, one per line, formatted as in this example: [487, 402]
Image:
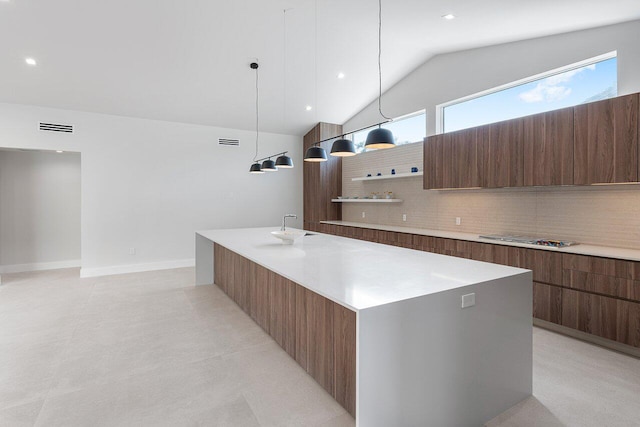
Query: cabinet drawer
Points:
[547, 302]
[610, 318]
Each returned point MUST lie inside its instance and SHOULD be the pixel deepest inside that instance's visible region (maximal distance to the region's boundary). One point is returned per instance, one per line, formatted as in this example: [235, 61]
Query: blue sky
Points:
[589, 83]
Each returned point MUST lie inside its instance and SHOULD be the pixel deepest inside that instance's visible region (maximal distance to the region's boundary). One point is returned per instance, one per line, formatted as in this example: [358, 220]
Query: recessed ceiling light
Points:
[308, 108]
[30, 61]
[341, 75]
[448, 16]
[59, 151]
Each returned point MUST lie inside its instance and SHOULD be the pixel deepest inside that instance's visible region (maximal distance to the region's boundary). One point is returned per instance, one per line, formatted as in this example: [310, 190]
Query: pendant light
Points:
[316, 153]
[284, 161]
[269, 166]
[380, 138]
[343, 148]
[255, 167]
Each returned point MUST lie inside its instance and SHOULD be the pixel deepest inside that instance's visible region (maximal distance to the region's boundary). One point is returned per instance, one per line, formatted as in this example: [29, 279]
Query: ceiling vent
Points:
[229, 142]
[56, 127]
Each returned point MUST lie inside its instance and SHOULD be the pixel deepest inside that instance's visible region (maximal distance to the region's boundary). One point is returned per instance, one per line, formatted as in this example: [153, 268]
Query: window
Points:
[406, 130]
[587, 81]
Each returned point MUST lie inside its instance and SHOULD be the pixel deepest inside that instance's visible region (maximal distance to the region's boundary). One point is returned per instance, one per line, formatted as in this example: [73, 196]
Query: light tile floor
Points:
[150, 349]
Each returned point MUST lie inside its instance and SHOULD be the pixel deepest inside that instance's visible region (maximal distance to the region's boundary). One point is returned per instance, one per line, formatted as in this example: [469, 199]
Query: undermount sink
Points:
[288, 236]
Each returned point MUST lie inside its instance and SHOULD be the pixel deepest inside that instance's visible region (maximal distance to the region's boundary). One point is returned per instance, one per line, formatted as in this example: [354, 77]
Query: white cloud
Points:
[550, 89]
[542, 92]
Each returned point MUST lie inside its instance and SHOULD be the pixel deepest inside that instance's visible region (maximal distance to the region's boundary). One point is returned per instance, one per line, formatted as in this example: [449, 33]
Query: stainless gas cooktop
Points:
[528, 240]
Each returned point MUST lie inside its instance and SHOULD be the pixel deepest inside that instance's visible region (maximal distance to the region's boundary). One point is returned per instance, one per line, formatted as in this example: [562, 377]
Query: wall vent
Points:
[230, 142]
[56, 127]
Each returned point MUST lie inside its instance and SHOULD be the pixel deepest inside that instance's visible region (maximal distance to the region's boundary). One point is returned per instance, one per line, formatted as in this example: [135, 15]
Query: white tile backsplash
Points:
[602, 215]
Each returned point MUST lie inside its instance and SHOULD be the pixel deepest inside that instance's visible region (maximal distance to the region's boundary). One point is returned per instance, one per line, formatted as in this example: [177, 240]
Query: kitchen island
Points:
[383, 328]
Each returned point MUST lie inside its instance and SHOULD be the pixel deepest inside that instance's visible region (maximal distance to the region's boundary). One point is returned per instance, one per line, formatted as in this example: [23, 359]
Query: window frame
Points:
[440, 107]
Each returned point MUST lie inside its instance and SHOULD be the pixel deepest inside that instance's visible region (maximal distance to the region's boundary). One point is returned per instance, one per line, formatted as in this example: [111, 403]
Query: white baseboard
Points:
[136, 268]
[38, 266]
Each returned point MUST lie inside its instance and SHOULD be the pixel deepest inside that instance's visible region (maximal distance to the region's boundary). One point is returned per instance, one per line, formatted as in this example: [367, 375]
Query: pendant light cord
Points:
[257, 117]
[380, 60]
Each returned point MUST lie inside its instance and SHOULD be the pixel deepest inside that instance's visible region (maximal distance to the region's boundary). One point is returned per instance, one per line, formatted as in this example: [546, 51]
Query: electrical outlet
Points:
[458, 221]
[404, 217]
[362, 214]
[132, 251]
[468, 300]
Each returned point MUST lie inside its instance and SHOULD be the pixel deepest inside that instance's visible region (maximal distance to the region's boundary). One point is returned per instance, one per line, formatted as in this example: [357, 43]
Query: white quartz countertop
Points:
[580, 249]
[355, 273]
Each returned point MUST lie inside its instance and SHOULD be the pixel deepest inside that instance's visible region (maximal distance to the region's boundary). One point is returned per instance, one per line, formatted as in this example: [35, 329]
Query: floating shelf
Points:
[367, 200]
[398, 175]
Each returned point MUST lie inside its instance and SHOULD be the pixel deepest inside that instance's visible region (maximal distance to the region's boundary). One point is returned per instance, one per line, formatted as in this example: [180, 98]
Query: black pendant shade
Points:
[380, 138]
[315, 154]
[284, 162]
[255, 168]
[343, 148]
[269, 166]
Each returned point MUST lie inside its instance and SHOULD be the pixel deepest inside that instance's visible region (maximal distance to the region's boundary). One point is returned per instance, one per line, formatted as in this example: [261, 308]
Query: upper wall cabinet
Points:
[606, 141]
[455, 159]
[503, 154]
[589, 144]
[548, 148]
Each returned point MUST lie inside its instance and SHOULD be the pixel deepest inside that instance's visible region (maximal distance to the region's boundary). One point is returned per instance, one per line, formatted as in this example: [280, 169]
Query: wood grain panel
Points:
[279, 309]
[628, 326]
[263, 282]
[465, 165]
[301, 334]
[546, 265]
[322, 181]
[548, 148]
[504, 154]
[218, 269]
[606, 141]
[291, 320]
[547, 302]
[433, 162]
[318, 333]
[320, 350]
[590, 313]
[344, 335]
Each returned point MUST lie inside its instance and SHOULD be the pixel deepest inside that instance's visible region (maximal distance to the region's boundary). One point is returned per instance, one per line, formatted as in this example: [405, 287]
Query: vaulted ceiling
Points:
[188, 61]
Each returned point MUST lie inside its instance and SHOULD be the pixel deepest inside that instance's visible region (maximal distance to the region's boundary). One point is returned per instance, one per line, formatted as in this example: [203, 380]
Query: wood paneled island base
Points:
[315, 331]
[384, 329]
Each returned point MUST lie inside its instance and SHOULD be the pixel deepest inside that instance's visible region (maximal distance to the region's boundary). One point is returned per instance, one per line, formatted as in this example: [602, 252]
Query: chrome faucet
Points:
[284, 220]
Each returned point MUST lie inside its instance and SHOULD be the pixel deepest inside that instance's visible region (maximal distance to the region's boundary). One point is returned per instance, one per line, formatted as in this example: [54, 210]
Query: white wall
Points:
[150, 185]
[451, 76]
[39, 210]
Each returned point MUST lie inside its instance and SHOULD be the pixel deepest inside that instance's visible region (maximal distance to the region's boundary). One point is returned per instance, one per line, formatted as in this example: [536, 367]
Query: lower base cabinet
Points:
[606, 317]
[596, 295]
[316, 332]
[547, 302]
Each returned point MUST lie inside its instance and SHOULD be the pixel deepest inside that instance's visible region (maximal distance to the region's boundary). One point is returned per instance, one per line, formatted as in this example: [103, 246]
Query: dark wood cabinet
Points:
[322, 181]
[606, 276]
[454, 160]
[590, 313]
[599, 296]
[503, 154]
[433, 177]
[606, 141]
[548, 148]
[594, 143]
[547, 302]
